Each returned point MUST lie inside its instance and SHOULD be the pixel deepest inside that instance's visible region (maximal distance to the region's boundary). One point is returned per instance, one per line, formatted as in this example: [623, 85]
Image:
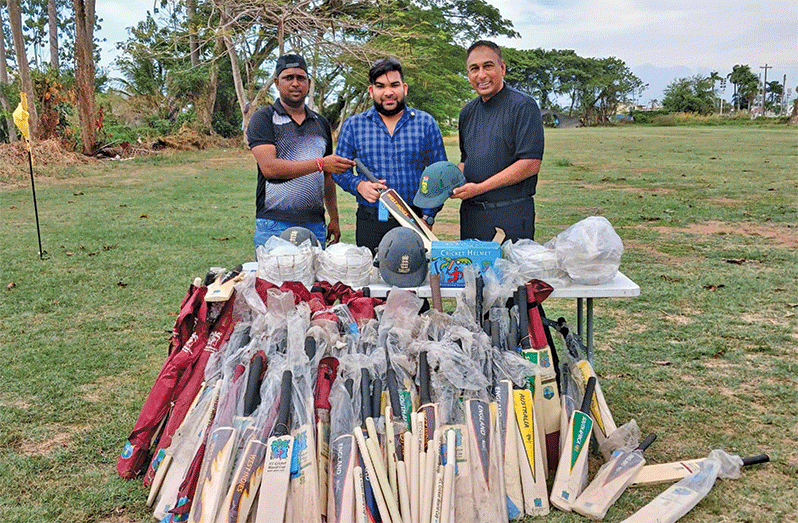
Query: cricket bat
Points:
[485, 466]
[572, 468]
[277, 465]
[216, 464]
[656, 473]
[428, 419]
[508, 440]
[611, 480]
[328, 368]
[530, 455]
[549, 397]
[343, 485]
[399, 209]
[304, 484]
[581, 371]
[182, 457]
[536, 381]
[680, 498]
[222, 288]
[666, 472]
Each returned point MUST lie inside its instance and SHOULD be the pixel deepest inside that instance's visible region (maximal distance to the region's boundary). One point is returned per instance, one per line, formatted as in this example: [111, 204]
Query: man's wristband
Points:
[320, 164]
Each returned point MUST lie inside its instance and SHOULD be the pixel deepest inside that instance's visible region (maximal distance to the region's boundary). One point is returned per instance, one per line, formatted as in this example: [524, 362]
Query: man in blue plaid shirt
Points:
[395, 143]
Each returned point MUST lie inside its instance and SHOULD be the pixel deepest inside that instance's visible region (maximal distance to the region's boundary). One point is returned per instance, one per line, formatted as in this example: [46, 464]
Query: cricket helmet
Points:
[297, 235]
[402, 258]
[436, 184]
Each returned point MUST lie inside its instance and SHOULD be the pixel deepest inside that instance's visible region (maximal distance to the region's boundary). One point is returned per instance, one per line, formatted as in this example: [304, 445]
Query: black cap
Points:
[290, 61]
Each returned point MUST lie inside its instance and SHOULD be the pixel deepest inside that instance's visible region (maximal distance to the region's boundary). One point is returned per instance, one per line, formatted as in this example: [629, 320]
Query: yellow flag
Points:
[21, 116]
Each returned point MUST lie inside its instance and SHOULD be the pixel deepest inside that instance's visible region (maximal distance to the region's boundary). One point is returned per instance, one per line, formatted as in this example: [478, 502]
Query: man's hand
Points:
[370, 190]
[336, 164]
[333, 232]
[466, 191]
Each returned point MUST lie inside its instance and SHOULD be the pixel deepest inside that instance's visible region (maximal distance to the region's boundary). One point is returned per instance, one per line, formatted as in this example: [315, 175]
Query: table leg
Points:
[579, 317]
[590, 330]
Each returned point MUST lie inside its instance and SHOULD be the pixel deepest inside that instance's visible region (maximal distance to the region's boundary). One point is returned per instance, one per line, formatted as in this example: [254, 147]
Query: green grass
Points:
[706, 356]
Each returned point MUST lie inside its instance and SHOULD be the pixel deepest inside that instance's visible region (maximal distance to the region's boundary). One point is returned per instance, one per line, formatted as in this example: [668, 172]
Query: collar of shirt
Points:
[408, 114]
[278, 106]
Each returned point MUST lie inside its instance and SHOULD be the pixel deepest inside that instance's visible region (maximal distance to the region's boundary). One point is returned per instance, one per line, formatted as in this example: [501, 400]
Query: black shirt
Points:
[496, 133]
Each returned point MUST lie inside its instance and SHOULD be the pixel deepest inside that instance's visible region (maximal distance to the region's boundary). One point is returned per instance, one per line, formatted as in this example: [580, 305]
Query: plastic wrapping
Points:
[680, 498]
[589, 251]
[280, 260]
[535, 261]
[626, 436]
[345, 263]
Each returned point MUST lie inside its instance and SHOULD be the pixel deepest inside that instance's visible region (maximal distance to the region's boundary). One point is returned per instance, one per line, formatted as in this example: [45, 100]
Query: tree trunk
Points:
[241, 94]
[12, 135]
[52, 15]
[84, 72]
[206, 100]
[15, 19]
[193, 46]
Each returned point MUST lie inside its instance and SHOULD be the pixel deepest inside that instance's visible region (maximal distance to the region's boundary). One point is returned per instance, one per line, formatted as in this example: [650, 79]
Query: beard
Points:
[400, 106]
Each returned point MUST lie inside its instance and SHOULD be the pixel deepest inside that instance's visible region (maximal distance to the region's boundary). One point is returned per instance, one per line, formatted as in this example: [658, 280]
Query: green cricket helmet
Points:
[437, 182]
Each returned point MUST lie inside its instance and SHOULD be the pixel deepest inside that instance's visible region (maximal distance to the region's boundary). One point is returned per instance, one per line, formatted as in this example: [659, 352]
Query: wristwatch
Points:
[429, 220]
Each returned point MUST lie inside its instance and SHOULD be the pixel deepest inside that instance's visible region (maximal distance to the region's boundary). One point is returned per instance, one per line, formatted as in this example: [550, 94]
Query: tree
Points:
[690, 95]
[84, 73]
[4, 105]
[52, 19]
[746, 85]
[15, 20]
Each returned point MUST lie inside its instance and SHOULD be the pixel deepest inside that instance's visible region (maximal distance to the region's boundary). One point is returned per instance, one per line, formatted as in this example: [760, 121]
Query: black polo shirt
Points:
[496, 133]
[299, 200]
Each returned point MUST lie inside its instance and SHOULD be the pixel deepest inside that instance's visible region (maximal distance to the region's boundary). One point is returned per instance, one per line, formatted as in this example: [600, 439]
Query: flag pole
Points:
[21, 116]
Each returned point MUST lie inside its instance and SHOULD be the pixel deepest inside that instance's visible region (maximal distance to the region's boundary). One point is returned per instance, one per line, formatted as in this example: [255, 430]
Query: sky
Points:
[659, 40]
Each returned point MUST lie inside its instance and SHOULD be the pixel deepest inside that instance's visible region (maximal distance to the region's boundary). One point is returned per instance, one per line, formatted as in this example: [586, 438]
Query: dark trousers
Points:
[369, 230]
[479, 222]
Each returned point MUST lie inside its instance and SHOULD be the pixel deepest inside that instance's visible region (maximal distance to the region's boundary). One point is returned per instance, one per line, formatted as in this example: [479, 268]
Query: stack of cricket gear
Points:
[283, 404]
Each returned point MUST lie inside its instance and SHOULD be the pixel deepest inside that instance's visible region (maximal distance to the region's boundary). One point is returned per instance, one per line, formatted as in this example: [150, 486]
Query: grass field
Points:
[707, 356]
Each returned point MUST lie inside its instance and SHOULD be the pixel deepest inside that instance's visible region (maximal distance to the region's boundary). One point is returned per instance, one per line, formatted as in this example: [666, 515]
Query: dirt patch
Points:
[785, 236]
[60, 438]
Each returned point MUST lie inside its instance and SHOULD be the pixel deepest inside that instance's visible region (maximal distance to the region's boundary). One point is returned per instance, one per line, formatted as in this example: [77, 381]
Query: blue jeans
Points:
[265, 228]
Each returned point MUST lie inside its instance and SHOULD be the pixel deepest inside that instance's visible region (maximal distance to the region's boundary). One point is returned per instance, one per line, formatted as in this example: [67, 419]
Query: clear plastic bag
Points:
[589, 251]
[345, 263]
[535, 261]
[280, 260]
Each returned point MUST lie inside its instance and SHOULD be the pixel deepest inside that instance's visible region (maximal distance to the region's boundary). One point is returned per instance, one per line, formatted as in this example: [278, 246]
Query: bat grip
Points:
[281, 425]
[365, 395]
[591, 386]
[523, 317]
[423, 378]
[648, 441]
[754, 460]
[361, 169]
[393, 392]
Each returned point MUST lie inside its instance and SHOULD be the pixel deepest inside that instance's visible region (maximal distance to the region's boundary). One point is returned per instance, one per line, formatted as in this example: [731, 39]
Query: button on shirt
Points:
[398, 159]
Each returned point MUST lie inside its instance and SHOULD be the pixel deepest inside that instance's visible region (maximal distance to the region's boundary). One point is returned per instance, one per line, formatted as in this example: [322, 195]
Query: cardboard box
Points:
[449, 258]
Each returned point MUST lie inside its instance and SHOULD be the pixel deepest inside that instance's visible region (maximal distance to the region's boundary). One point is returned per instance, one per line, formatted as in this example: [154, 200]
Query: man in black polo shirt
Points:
[501, 147]
[293, 148]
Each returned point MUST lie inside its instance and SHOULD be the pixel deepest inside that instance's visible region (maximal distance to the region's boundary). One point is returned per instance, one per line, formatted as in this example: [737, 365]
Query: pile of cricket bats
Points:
[302, 408]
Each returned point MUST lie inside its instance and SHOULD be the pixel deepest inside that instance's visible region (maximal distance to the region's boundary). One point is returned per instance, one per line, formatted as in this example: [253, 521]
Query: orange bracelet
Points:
[320, 164]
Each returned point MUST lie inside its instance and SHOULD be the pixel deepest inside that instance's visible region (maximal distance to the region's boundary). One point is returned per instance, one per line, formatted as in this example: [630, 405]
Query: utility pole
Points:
[765, 85]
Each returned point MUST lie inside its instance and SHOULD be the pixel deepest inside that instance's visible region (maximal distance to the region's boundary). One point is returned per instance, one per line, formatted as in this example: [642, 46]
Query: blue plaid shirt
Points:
[398, 159]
